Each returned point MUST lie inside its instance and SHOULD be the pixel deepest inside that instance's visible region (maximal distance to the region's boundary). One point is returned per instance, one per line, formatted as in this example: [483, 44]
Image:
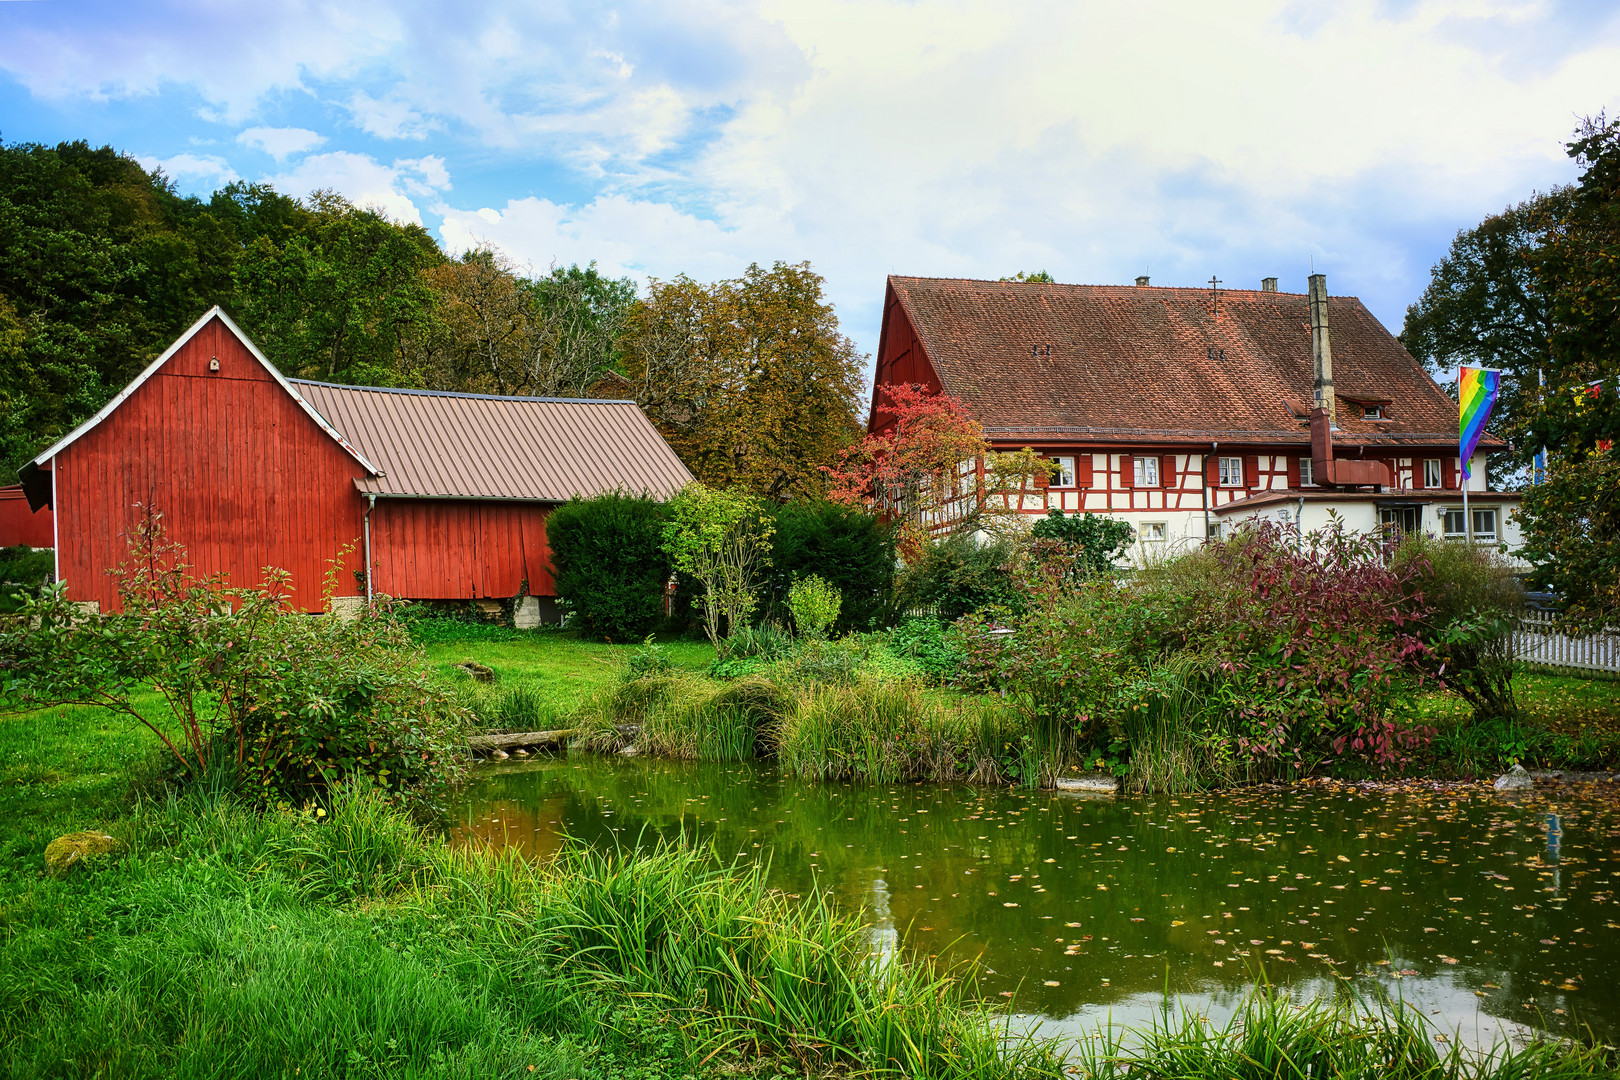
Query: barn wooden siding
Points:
[21, 525]
[243, 476]
[442, 549]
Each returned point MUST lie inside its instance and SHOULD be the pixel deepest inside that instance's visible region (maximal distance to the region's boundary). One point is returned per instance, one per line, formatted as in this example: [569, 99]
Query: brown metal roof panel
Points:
[475, 446]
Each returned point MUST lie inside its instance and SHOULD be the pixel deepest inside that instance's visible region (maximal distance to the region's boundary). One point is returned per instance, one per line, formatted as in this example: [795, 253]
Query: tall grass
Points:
[1271, 1037]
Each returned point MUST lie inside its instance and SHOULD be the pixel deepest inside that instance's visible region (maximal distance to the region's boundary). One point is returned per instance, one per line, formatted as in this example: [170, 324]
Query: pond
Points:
[1495, 914]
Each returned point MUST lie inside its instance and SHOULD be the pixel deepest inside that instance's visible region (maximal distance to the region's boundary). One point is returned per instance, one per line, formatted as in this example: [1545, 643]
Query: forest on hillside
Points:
[106, 263]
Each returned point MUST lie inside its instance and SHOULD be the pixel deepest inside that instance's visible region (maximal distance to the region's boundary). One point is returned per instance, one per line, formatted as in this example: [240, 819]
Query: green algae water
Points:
[1496, 915]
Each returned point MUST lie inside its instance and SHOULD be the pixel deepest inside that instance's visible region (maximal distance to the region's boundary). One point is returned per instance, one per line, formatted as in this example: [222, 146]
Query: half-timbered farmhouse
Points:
[1188, 410]
[419, 495]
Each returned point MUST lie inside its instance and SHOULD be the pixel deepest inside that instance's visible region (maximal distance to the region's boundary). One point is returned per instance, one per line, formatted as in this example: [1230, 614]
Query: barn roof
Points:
[437, 445]
[1048, 362]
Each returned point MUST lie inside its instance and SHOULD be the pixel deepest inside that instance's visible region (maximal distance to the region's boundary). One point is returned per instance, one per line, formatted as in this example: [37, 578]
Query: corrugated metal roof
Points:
[475, 446]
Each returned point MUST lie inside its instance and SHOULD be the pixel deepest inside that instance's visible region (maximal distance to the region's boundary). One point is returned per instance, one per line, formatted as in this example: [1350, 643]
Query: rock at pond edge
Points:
[1515, 779]
[66, 852]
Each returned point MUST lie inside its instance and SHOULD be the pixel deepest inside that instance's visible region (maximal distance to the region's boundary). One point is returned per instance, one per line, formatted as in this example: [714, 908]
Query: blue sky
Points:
[968, 138]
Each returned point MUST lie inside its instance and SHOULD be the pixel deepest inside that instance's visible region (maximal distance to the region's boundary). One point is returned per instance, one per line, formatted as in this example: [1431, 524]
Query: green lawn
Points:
[559, 664]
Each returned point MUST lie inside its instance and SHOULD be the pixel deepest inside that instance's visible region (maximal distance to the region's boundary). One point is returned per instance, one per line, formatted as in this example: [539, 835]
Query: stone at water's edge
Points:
[1515, 779]
[1096, 783]
[66, 852]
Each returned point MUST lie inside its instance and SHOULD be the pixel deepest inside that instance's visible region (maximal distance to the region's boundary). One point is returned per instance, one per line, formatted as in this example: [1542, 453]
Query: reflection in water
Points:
[1485, 911]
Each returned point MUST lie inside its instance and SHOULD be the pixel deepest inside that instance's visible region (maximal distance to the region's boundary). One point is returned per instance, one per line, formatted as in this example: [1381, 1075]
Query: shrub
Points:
[815, 605]
[845, 546]
[1473, 601]
[933, 646]
[1259, 656]
[289, 704]
[1094, 542]
[958, 576]
[609, 563]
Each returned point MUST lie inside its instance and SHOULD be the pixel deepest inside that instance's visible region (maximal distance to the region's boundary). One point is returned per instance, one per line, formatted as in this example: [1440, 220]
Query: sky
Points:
[950, 138]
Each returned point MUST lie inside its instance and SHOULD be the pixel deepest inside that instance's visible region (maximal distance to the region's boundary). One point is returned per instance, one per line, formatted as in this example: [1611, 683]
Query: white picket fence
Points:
[1537, 642]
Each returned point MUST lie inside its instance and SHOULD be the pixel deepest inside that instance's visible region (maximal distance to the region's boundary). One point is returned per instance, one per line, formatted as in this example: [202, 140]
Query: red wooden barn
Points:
[444, 496]
[21, 523]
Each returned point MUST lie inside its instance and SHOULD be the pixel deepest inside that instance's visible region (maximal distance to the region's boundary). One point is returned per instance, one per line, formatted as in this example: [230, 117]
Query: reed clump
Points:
[1273, 1037]
[861, 726]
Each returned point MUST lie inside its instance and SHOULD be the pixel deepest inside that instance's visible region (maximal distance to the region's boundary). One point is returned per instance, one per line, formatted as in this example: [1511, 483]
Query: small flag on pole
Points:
[1476, 394]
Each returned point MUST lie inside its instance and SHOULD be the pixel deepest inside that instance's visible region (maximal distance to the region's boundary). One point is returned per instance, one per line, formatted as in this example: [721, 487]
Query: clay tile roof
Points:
[1133, 362]
[475, 446]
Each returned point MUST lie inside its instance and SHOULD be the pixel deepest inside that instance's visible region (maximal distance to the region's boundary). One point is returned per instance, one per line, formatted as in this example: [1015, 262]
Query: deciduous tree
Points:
[749, 379]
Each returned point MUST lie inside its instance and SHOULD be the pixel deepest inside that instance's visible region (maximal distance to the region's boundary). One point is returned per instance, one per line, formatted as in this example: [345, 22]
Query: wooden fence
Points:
[1537, 642]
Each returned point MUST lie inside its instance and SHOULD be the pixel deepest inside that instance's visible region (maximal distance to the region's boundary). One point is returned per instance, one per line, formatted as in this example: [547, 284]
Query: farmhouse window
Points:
[1153, 532]
[1484, 525]
[1306, 478]
[1063, 475]
[1145, 471]
[1231, 472]
[1431, 473]
[1372, 412]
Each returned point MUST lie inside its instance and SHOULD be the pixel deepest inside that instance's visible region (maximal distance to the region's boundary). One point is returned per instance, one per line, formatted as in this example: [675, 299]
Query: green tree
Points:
[609, 563]
[1095, 541]
[1039, 277]
[750, 380]
[1572, 522]
[722, 538]
[1485, 306]
[341, 297]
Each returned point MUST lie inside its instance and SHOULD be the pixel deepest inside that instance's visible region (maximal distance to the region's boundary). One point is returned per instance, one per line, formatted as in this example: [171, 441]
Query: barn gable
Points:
[245, 473]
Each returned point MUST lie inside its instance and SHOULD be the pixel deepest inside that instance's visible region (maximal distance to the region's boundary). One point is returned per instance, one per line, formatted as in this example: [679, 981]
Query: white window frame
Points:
[1372, 412]
[1446, 516]
[1437, 478]
[1065, 472]
[1146, 469]
[1305, 477]
[1490, 514]
[1148, 528]
[1231, 472]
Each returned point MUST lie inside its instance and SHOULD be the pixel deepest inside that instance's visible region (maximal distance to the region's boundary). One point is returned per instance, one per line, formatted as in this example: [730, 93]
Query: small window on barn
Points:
[1063, 474]
[1231, 472]
[1147, 472]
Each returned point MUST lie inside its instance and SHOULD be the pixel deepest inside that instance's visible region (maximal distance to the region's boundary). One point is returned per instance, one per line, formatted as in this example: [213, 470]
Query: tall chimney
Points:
[1142, 281]
[1268, 284]
[1321, 351]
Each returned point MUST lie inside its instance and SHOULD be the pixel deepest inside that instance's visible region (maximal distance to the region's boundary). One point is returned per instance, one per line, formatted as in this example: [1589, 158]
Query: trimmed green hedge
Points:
[609, 565]
[844, 546]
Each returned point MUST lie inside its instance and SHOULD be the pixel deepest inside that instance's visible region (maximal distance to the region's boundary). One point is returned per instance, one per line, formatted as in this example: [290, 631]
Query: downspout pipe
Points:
[371, 504]
[1214, 454]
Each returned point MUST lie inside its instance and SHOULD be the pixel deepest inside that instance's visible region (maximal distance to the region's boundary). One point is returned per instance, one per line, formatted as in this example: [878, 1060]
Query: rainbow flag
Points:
[1476, 394]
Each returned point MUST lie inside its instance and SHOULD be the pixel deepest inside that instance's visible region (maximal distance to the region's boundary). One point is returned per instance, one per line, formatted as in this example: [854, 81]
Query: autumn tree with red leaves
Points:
[930, 467]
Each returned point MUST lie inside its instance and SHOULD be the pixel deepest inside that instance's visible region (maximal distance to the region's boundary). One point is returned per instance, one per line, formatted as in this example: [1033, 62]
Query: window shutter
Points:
[1293, 472]
[1448, 473]
[1212, 470]
[1082, 471]
[1251, 472]
[1167, 472]
[1127, 471]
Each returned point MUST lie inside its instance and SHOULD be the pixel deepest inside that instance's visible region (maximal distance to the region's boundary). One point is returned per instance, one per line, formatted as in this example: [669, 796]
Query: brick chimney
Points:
[1268, 284]
[1141, 281]
[1322, 351]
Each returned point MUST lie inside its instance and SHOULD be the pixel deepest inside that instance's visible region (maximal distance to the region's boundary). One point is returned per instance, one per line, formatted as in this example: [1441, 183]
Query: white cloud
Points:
[280, 143]
[387, 118]
[367, 182]
[626, 237]
[209, 169]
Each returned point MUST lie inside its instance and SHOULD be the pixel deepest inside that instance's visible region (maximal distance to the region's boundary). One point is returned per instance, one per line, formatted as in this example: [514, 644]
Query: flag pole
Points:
[1463, 470]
